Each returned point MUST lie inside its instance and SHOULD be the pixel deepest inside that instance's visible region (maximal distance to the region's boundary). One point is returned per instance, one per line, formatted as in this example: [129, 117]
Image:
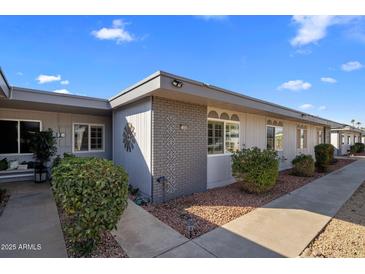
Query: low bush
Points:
[4, 165]
[324, 156]
[357, 148]
[257, 170]
[93, 193]
[303, 165]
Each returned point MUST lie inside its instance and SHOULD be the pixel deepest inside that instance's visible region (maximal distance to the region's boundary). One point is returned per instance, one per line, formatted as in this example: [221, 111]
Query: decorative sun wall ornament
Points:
[129, 137]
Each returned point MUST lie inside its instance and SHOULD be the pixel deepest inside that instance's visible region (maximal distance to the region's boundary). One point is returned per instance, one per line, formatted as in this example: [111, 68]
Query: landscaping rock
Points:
[219, 206]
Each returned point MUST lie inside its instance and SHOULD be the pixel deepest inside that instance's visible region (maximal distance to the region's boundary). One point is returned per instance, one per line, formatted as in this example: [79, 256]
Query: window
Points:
[96, 137]
[319, 137]
[349, 140]
[232, 137]
[274, 138]
[355, 139]
[302, 138]
[342, 139]
[88, 137]
[215, 137]
[16, 135]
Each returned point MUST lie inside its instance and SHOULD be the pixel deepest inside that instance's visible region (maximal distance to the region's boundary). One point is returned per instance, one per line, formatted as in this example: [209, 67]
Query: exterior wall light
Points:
[183, 127]
[177, 83]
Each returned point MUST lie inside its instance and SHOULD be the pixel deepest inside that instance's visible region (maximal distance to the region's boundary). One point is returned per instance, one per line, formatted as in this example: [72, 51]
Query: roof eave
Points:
[5, 88]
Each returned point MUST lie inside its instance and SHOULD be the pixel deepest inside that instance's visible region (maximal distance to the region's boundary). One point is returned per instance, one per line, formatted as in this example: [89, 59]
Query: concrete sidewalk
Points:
[282, 228]
[285, 226]
[29, 225]
[142, 235]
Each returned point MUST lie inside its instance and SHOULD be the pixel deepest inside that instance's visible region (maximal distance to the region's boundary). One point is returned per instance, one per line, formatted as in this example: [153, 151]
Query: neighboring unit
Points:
[173, 135]
[342, 138]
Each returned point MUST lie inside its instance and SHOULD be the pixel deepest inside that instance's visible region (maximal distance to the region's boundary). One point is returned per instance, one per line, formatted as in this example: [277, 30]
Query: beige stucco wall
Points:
[61, 122]
[253, 133]
[336, 140]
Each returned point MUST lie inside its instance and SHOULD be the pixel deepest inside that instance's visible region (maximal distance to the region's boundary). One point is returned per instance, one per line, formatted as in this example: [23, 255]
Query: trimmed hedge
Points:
[357, 148]
[93, 193]
[303, 165]
[324, 156]
[257, 170]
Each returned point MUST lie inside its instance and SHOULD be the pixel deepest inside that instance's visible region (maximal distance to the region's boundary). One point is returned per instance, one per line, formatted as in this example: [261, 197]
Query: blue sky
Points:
[313, 64]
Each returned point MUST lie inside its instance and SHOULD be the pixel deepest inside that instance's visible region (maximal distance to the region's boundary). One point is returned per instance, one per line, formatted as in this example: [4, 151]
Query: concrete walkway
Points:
[285, 226]
[142, 235]
[282, 228]
[30, 225]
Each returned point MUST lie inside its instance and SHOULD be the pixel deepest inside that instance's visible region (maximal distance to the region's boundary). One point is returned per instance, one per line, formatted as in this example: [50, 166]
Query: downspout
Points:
[151, 148]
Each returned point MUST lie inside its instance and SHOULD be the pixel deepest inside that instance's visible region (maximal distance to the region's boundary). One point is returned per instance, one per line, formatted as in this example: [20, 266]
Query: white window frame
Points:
[225, 152]
[20, 120]
[319, 135]
[280, 150]
[89, 150]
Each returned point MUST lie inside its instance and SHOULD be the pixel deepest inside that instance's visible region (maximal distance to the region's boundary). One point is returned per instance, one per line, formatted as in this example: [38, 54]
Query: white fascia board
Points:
[210, 92]
[37, 96]
[4, 86]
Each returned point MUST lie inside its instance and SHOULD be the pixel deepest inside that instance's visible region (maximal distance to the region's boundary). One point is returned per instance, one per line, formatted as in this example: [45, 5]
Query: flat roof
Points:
[196, 89]
[4, 85]
[349, 128]
[159, 84]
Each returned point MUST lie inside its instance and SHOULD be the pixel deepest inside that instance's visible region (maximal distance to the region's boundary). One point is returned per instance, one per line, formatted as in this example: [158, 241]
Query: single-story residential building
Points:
[173, 135]
[342, 138]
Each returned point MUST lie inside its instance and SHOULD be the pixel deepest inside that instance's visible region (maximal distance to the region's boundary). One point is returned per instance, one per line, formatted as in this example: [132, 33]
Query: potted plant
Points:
[44, 147]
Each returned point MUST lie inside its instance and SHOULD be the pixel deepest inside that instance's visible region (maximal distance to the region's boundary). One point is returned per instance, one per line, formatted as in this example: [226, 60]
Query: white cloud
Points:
[42, 79]
[117, 32]
[19, 73]
[329, 80]
[65, 82]
[322, 108]
[352, 65]
[314, 28]
[213, 17]
[63, 91]
[295, 85]
[306, 106]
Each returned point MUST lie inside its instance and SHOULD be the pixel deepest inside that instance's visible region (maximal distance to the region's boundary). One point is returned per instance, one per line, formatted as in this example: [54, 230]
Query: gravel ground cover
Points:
[219, 206]
[344, 236]
[108, 247]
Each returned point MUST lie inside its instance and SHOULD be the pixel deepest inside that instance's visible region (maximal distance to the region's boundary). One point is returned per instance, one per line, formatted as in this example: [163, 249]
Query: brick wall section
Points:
[179, 155]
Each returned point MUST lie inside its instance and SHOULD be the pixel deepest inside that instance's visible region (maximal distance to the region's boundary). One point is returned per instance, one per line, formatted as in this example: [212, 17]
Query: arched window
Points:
[213, 114]
[224, 116]
[234, 117]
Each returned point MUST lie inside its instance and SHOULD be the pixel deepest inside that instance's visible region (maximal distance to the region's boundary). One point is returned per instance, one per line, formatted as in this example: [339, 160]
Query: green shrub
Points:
[357, 148]
[324, 156]
[93, 193]
[303, 165]
[68, 155]
[257, 170]
[353, 149]
[56, 161]
[4, 165]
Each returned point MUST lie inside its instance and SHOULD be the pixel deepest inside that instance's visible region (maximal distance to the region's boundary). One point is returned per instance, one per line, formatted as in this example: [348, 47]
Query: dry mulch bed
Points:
[344, 236]
[108, 247]
[219, 206]
[4, 198]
